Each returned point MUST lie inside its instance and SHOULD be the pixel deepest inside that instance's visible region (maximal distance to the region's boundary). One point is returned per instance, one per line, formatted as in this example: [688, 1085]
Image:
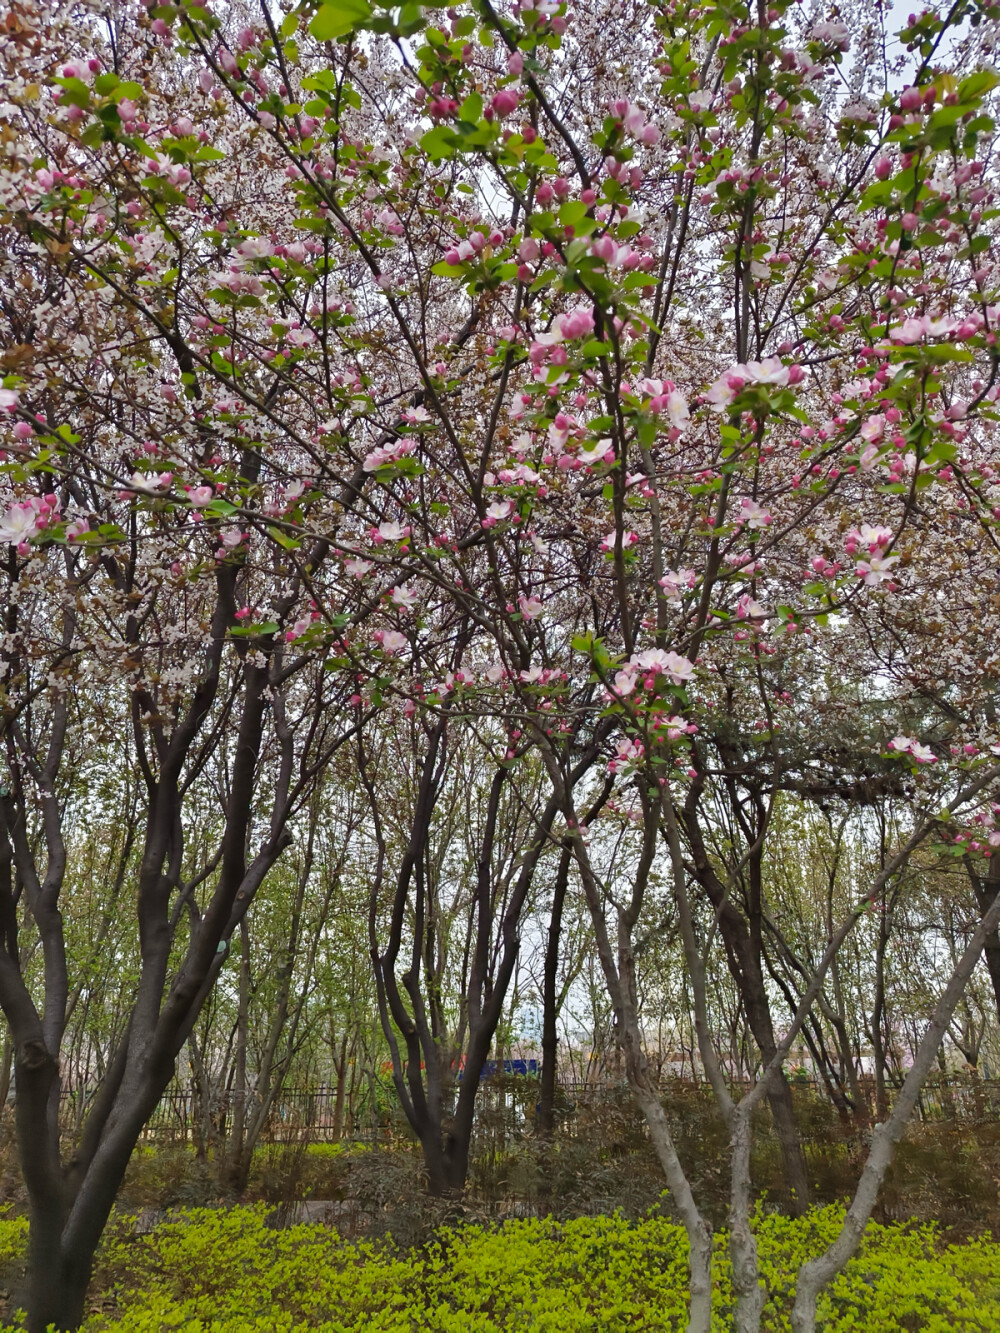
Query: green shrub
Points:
[13, 1239]
[225, 1271]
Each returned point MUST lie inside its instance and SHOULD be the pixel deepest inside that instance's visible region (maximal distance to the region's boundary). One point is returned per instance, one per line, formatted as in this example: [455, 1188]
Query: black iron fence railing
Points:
[506, 1107]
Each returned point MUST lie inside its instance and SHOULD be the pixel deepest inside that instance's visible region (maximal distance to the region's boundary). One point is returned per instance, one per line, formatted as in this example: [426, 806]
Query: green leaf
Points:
[439, 143]
[471, 109]
[571, 212]
[245, 631]
[972, 88]
[282, 538]
[337, 18]
[594, 347]
[75, 93]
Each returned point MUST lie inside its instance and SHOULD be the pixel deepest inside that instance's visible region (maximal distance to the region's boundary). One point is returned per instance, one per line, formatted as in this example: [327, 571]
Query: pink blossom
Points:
[908, 745]
[676, 726]
[298, 629]
[239, 283]
[388, 453]
[677, 669]
[678, 412]
[505, 101]
[628, 539]
[404, 597]
[627, 753]
[752, 515]
[18, 524]
[877, 570]
[392, 641]
[913, 329]
[576, 324]
[602, 452]
[675, 582]
[389, 532]
[635, 119]
[497, 512]
[150, 485]
[874, 537]
[748, 609]
[530, 607]
[724, 390]
[255, 247]
[769, 371]
[624, 682]
[923, 754]
[831, 32]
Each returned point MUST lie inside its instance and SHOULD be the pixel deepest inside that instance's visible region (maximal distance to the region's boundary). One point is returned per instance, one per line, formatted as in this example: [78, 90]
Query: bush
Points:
[226, 1272]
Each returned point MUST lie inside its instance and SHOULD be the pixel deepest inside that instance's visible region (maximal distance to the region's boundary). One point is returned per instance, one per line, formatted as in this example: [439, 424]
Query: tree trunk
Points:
[545, 1115]
[57, 1292]
[744, 955]
[5, 1059]
[986, 887]
[878, 1018]
[338, 1103]
[618, 966]
[36, 1074]
[237, 1164]
[816, 1273]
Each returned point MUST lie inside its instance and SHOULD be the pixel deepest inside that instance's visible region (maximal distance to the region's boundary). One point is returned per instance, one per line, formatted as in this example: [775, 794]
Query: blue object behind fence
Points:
[493, 1067]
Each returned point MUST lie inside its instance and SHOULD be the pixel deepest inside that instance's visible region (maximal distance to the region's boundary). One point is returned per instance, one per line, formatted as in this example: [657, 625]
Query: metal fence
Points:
[506, 1108]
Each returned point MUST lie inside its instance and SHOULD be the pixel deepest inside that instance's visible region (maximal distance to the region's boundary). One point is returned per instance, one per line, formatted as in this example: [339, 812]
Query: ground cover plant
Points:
[226, 1272]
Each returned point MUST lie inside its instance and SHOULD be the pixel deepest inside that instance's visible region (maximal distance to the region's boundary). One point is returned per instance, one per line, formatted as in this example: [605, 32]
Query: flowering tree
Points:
[624, 389]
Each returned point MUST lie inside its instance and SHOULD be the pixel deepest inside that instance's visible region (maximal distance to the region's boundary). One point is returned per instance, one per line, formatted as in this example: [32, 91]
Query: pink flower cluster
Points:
[877, 569]
[26, 519]
[649, 664]
[769, 372]
[922, 754]
[634, 120]
[388, 453]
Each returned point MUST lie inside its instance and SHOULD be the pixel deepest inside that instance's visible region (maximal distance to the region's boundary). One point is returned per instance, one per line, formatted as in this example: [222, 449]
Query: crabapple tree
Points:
[625, 391]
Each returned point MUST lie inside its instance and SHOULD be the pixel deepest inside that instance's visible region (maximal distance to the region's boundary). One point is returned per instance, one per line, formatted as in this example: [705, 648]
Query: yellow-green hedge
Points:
[226, 1272]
